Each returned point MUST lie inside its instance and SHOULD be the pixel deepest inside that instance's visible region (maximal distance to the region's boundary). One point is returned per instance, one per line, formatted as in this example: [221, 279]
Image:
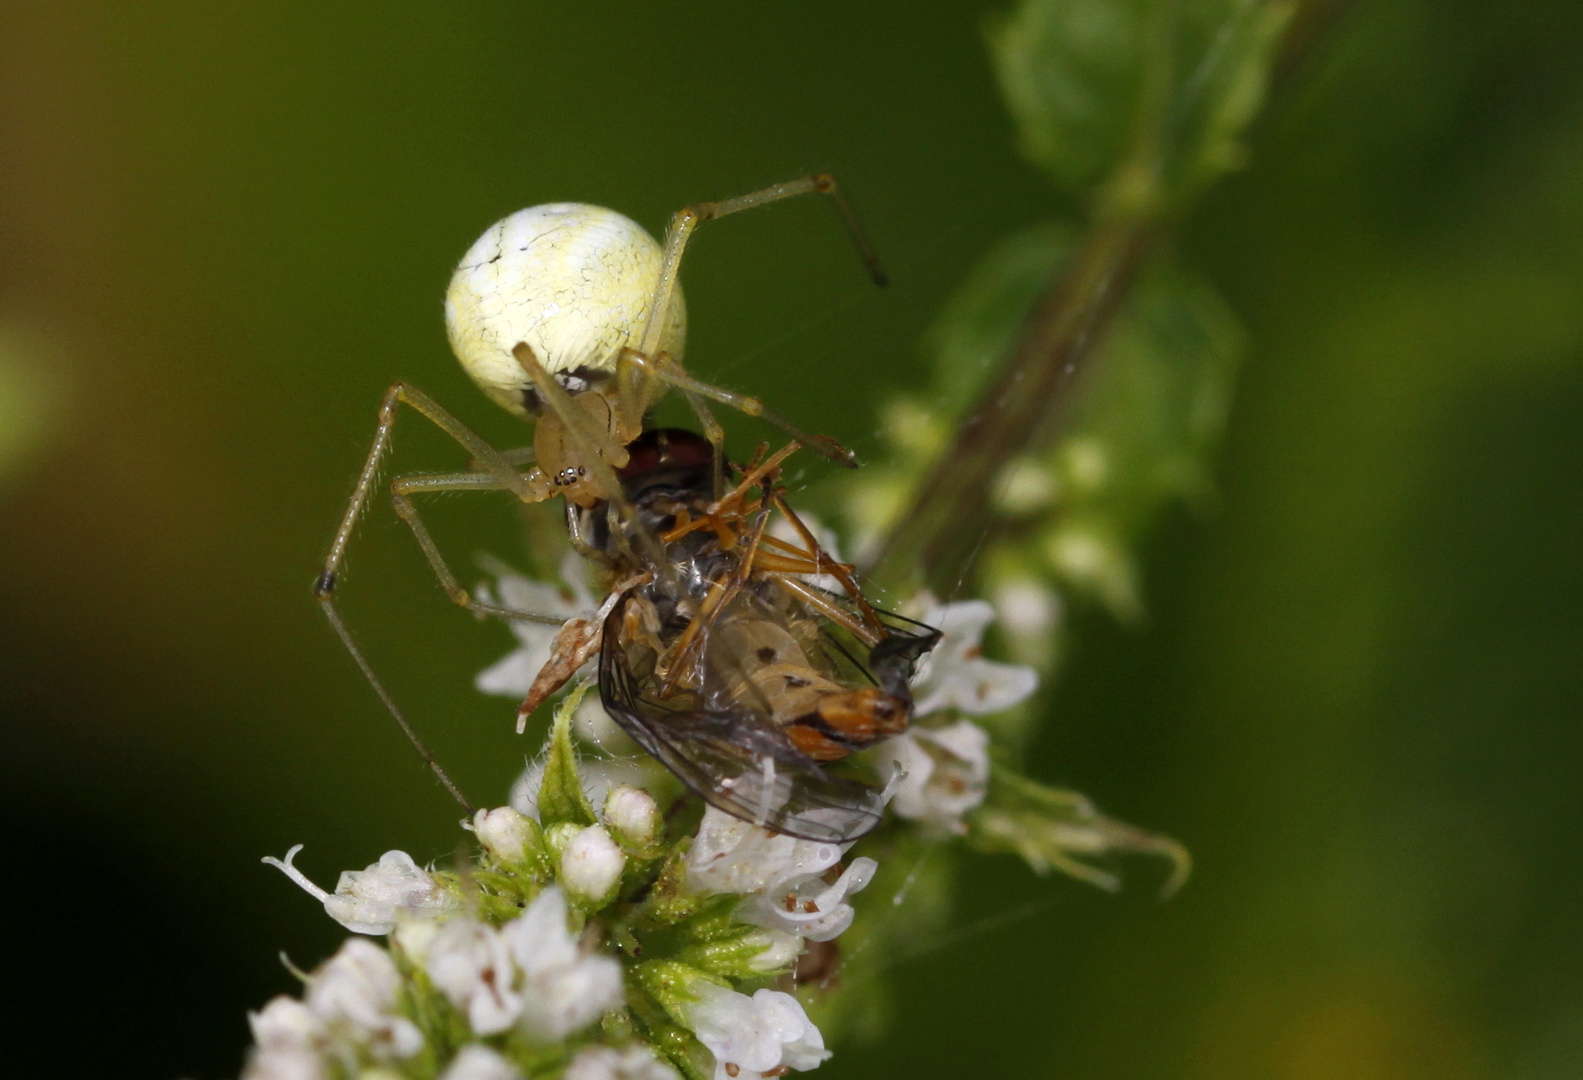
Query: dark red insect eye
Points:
[665, 448]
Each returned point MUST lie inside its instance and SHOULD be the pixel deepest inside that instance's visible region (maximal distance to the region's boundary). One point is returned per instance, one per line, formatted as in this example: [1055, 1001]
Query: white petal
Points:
[591, 866]
[478, 1062]
[733, 856]
[285, 1065]
[284, 1024]
[809, 908]
[470, 964]
[756, 1034]
[563, 989]
[636, 1062]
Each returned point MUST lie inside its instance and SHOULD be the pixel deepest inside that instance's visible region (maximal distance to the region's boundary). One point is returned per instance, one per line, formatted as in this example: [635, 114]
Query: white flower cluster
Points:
[942, 772]
[530, 973]
[349, 1015]
[496, 991]
[781, 879]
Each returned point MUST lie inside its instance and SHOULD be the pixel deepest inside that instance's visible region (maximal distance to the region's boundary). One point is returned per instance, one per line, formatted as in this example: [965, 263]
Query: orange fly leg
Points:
[754, 475]
[837, 570]
[814, 599]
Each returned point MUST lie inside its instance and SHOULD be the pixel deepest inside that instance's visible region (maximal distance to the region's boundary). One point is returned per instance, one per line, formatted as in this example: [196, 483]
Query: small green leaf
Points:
[973, 334]
[1071, 72]
[1148, 96]
[561, 796]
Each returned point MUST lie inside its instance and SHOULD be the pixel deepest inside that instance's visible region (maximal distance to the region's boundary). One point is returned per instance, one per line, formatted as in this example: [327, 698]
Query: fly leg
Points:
[579, 639]
[840, 571]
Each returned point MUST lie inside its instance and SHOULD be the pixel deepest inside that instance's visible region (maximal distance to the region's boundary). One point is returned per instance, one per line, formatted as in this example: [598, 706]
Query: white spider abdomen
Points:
[571, 280]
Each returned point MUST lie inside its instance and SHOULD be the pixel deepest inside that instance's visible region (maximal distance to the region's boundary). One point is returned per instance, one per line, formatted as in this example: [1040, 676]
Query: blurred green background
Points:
[224, 228]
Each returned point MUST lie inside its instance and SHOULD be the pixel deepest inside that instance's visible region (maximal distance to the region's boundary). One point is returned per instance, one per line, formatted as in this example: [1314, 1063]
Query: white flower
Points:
[633, 817]
[288, 1038]
[778, 950]
[563, 988]
[1027, 606]
[754, 1035]
[372, 901]
[809, 908]
[956, 675]
[636, 1062]
[514, 673]
[504, 832]
[734, 856]
[291, 1064]
[354, 996]
[943, 773]
[478, 1062]
[591, 865]
[284, 1024]
[529, 972]
[471, 965]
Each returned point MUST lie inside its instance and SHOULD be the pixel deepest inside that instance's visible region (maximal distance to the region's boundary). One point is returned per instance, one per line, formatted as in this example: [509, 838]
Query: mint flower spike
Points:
[373, 900]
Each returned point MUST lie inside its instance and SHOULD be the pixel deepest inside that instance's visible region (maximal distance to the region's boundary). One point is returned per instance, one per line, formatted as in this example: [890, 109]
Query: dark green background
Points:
[226, 227]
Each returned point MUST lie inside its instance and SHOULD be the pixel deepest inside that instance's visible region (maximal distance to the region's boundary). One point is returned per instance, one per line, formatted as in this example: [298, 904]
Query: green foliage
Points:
[561, 796]
[1104, 90]
[1133, 107]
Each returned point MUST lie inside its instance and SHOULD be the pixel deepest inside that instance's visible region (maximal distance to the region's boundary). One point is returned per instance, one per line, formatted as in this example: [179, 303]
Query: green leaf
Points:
[1154, 404]
[1151, 92]
[561, 796]
[1071, 72]
[974, 332]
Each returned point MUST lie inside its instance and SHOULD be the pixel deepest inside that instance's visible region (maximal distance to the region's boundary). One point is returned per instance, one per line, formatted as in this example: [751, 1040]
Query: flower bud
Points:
[634, 818]
[505, 833]
[591, 865]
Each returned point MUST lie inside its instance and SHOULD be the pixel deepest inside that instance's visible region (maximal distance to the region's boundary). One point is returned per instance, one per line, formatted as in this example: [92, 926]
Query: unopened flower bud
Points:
[591, 866]
[504, 833]
[634, 818]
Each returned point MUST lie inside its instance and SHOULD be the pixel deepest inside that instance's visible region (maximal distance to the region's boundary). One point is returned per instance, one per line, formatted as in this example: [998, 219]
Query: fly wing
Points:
[736, 758]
